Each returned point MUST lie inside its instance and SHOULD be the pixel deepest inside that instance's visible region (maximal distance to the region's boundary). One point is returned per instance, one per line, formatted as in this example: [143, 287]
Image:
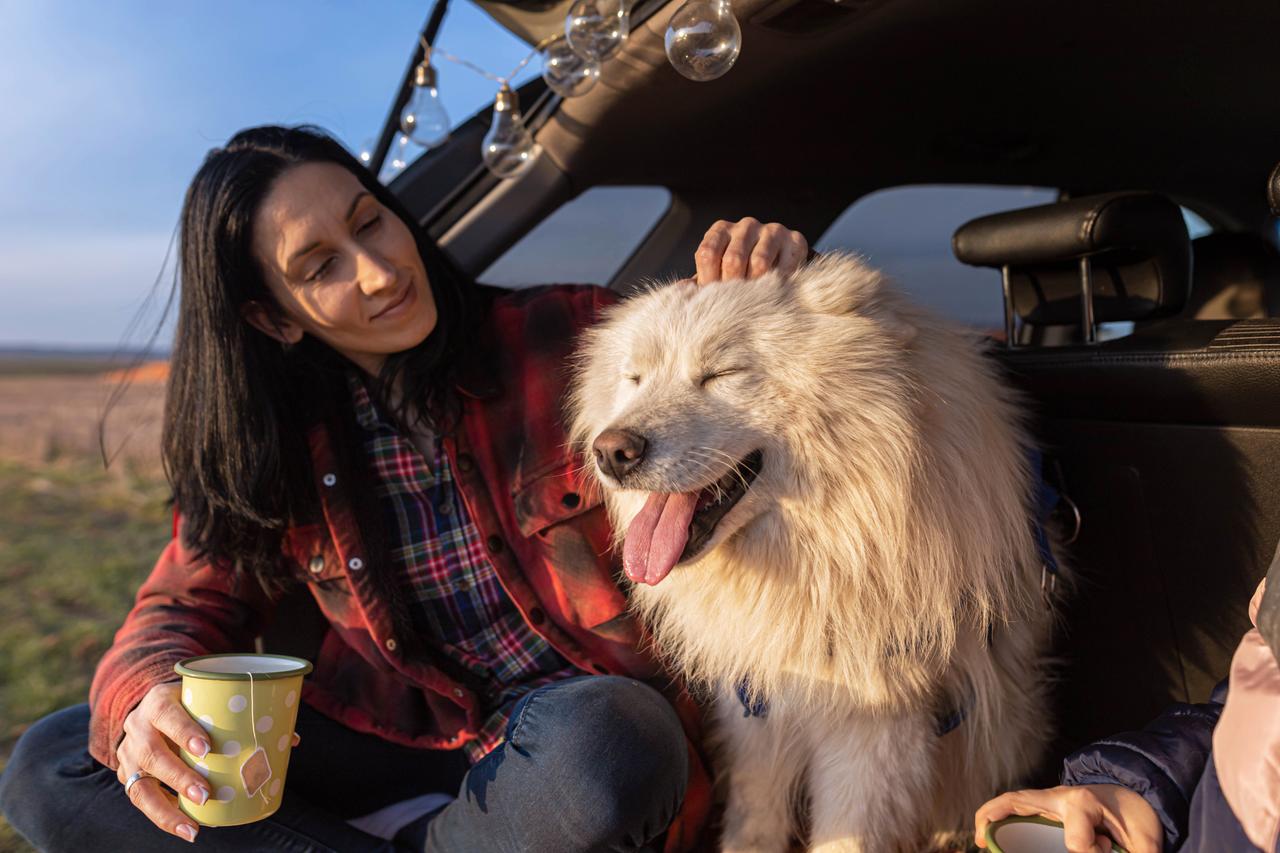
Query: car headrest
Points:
[1236, 276]
[1136, 244]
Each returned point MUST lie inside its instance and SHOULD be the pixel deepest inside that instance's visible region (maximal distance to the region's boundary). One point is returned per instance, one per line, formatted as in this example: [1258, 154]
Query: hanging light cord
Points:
[429, 52]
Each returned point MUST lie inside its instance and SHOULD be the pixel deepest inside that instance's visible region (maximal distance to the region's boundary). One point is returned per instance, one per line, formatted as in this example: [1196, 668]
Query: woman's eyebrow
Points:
[351, 211]
[355, 202]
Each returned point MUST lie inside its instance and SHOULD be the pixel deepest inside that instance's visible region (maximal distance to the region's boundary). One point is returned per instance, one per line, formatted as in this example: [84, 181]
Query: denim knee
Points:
[37, 796]
[619, 749]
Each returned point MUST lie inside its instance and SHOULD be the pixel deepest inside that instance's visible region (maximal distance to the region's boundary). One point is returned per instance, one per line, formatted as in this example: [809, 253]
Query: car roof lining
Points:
[1088, 96]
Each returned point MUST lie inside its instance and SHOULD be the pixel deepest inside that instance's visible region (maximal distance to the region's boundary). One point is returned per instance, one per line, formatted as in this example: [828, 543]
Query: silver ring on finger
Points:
[133, 780]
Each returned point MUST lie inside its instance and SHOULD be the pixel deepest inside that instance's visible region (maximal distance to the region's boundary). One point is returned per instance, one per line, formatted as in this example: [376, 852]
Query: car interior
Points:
[1137, 115]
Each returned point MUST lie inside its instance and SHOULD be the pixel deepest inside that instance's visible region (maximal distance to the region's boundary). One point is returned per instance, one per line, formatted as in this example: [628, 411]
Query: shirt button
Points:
[316, 566]
[329, 479]
[445, 507]
[494, 544]
[391, 644]
[465, 463]
[570, 500]
[536, 616]
[457, 691]
[355, 564]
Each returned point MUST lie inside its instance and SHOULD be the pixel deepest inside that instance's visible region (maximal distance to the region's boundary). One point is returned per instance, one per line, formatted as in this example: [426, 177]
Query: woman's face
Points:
[340, 266]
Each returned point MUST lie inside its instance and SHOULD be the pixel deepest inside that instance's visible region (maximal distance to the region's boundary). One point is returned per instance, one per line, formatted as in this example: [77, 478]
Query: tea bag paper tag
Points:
[255, 771]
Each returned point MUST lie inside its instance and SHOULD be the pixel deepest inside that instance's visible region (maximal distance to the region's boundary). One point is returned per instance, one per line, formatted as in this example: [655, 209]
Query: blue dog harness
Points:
[1047, 498]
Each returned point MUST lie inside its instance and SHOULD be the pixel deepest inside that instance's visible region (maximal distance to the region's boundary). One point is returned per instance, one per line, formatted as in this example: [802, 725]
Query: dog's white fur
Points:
[853, 586]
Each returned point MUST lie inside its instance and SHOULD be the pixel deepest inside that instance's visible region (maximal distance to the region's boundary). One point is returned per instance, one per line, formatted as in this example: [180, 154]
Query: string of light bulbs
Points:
[702, 43]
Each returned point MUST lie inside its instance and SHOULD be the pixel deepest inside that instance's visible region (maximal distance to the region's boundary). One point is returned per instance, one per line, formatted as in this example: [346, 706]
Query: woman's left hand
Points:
[747, 249]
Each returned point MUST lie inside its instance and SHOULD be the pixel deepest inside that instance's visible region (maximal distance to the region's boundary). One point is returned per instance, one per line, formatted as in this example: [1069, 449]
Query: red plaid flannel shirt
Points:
[546, 534]
[455, 598]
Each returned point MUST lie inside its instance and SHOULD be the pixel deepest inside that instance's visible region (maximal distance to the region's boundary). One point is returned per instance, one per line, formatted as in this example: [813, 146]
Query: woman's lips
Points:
[402, 304]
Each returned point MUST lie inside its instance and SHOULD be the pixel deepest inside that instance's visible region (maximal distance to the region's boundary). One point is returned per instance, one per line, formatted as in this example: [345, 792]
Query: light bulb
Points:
[703, 39]
[424, 118]
[397, 158]
[568, 74]
[508, 148]
[366, 153]
[596, 29]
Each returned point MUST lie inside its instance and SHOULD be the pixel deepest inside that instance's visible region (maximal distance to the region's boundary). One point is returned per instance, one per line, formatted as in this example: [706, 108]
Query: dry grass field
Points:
[75, 540]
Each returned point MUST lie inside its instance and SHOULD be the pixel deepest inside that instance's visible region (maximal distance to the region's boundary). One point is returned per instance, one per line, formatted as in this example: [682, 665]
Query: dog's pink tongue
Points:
[657, 536]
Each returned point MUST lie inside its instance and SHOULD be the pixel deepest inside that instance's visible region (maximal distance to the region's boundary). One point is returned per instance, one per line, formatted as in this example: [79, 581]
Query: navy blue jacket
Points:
[1170, 765]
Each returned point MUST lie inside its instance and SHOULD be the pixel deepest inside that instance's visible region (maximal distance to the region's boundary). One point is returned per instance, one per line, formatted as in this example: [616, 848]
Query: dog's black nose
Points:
[618, 451]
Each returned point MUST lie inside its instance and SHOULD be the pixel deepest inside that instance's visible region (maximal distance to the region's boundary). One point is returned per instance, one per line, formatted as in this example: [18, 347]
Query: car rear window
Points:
[906, 231]
[585, 241]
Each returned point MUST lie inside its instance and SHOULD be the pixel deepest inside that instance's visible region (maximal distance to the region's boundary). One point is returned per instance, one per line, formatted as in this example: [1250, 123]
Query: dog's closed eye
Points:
[633, 378]
[719, 374]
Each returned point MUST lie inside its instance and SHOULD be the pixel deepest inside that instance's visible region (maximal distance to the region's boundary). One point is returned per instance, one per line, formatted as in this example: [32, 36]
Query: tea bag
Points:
[255, 772]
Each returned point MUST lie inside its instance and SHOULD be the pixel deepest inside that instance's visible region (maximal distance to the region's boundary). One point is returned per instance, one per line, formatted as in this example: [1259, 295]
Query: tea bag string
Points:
[253, 722]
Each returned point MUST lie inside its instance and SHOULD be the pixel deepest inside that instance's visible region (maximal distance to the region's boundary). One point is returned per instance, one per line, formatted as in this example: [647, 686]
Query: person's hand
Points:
[1083, 810]
[151, 732]
[747, 249]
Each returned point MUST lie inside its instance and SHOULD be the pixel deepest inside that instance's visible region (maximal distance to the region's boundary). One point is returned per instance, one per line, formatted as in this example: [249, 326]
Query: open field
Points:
[49, 417]
[75, 540]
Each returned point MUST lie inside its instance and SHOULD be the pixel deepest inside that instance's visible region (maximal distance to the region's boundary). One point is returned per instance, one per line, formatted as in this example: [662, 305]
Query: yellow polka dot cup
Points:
[248, 704]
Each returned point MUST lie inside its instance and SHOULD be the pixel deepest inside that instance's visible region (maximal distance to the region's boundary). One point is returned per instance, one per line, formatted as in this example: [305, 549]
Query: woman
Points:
[345, 411]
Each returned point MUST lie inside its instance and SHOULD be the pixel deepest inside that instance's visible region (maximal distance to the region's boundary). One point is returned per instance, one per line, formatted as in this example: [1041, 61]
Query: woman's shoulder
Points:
[544, 318]
[569, 299]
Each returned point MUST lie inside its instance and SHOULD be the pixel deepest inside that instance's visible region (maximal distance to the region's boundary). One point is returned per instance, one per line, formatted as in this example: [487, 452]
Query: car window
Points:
[1197, 225]
[586, 240]
[906, 231]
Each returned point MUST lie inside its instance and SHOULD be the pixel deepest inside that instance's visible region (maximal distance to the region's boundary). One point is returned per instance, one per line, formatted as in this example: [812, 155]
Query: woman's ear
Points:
[271, 322]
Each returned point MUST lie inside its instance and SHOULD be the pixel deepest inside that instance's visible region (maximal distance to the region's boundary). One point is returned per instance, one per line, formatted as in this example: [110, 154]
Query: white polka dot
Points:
[264, 724]
[275, 787]
[237, 703]
[186, 697]
[231, 748]
[290, 698]
[207, 722]
[202, 769]
[225, 794]
[283, 743]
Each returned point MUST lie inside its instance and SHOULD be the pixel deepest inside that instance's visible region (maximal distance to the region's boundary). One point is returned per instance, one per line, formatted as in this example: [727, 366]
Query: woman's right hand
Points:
[151, 734]
[1083, 810]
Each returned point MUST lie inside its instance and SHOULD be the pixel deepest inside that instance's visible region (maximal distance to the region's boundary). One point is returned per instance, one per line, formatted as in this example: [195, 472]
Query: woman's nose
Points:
[375, 273]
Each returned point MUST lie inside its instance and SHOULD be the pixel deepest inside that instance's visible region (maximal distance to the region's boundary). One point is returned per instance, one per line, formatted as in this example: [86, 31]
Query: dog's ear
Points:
[836, 283]
[842, 284]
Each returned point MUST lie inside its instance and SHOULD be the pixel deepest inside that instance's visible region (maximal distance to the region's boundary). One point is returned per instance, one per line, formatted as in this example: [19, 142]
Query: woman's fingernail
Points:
[197, 794]
[198, 746]
[187, 831]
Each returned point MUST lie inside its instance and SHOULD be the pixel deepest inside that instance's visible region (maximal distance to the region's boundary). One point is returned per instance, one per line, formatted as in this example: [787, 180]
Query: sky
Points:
[109, 109]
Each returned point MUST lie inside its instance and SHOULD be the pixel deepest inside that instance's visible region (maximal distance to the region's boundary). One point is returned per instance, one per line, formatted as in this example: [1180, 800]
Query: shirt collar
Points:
[367, 414]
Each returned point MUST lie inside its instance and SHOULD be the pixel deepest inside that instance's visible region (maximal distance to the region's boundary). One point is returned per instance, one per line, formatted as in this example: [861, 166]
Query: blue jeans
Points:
[596, 763]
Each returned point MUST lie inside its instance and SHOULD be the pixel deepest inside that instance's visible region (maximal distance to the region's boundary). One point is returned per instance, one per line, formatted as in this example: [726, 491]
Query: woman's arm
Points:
[1136, 785]
[1163, 762]
[186, 607]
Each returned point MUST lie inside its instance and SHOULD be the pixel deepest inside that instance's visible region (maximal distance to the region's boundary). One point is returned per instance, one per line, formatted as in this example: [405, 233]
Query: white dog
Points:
[823, 496]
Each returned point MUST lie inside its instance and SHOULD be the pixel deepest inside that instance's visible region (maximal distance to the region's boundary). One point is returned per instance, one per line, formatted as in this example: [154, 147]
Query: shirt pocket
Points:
[553, 494]
[311, 554]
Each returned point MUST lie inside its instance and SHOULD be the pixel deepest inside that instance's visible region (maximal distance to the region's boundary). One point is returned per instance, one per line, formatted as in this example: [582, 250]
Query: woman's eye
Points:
[320, 270]
[372, 223]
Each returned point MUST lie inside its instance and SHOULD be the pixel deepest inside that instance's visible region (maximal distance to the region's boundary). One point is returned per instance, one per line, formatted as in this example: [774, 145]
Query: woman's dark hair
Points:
[239, 404]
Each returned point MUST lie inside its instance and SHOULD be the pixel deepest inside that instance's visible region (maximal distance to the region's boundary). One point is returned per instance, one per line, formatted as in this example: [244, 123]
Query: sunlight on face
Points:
[342, 267]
